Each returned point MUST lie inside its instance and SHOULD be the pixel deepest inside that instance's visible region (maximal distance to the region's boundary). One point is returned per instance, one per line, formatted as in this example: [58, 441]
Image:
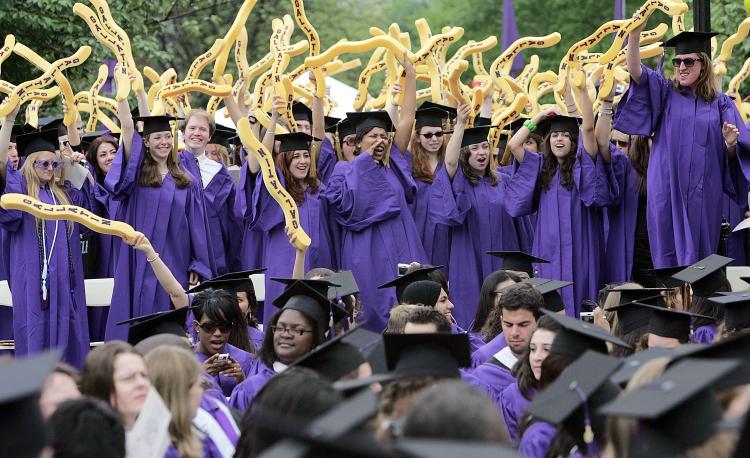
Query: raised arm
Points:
[408, 109]
[603, 127]
[127, 127]
[318, 115]
[166, 279]
[5, 132]
[518, 139]
[298, 270]
[392, 107]
[633, 55]
[235, 112]
[587, 124]
[453, 149]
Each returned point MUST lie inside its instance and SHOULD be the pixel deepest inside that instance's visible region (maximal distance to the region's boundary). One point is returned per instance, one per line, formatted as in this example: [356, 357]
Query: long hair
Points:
[469, 172]
[267, 354]
[420, 163]
[705, 88]
[294, 186]
[549, 168]
[150, 176]
[33, 184]
[99, 368]
[92, 151]
[639, 153]
[173, 371]
[522, 372]
[222, 307]
[487, 296]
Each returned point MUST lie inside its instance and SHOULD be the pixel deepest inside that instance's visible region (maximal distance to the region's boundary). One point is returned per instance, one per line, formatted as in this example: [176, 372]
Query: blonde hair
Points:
[398, 317]
[173, 371]
[33, 184]
[199, 113]
[223, 153]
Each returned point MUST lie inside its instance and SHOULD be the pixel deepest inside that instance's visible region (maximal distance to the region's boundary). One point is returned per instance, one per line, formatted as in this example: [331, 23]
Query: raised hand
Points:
[731, 134]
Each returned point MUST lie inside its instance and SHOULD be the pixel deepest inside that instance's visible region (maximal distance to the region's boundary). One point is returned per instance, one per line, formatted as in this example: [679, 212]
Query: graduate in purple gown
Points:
[566, 185]
[46, 278]
[537, 439]
[515, 398]
[251, 245]
[468, 196]
[218, 188]
[369, 200]
[161, 200]
[425, 159]
[293, 169]
[291, 332]
[701, 148]
[220, 430]
[488, 299]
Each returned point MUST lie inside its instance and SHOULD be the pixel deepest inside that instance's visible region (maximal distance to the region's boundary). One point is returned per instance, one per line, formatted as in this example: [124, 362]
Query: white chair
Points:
[259, 284]
[99, 294]
[733, 275]
[6, 300]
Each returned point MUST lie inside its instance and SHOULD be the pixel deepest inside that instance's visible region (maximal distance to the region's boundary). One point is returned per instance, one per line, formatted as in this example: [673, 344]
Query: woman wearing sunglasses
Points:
[700, 148]
[47, 271]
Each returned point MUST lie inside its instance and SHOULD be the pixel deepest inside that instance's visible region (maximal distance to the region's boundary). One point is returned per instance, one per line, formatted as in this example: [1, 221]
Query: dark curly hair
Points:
[294, 186]
[515, 297]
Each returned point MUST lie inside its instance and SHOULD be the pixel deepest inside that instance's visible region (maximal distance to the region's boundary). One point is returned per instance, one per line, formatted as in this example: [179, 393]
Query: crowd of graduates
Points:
[562, 293]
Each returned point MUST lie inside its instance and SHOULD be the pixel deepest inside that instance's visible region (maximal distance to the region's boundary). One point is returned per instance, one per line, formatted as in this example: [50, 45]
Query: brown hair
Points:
[397, 318]
[705, 86]
[197, 112]
[150, 176]
[549, 168]
[515, 297]
[420, 164]
[99, 367]
[92, 151]
[639, 153]
[422, 314]
[469, 173]
[293, 185]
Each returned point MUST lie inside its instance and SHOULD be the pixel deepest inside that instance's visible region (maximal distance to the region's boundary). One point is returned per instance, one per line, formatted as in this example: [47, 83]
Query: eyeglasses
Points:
[350, 141]
[47, 164]
[429, 135]
[292, 331]
[210, 327]
[620, 143]
[688, 61]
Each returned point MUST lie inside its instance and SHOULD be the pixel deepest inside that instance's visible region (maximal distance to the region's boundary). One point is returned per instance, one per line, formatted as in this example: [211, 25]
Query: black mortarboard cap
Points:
[429, 117]
[400, 283]
[311, 298]
[515, 125]
[331, 123]
[559, 123]
[333, 359]
[549, 290]
[691, 42]
[19, 129]
[646, 295]
[577, 336]
[41, 140]
[22, 381]
[345, 128]
[736, 310]
[481, 121]
[736, 347]
[634, 362]
[89, 137]
[664, 276]
[518, 261]
[365, 121]
[222, 135]
[631, 316]
[152, 124]
[294, 141]
[705, 276]
[56, 124]
[233, 281]
[677, 410]
[301, 112]
[169, 322]
[573, 398]
[441, 448]
[670, 323]
[450, 111]
[437, 354]
[425, 292]
[347, 284]
[474, 135]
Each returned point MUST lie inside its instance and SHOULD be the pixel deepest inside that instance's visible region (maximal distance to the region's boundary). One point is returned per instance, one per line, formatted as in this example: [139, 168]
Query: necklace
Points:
[46, 259]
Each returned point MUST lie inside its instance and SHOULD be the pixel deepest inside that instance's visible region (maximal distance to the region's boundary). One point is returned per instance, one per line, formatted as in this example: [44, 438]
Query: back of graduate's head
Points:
[271, 351]
[221, 307]
[422, 319]
[489, 298]
[453, 410]
[296, 394]
[397, 318]
[87, 428]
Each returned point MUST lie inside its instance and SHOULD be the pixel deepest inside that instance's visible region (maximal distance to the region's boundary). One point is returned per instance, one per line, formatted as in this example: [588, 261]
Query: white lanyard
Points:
[47, 259]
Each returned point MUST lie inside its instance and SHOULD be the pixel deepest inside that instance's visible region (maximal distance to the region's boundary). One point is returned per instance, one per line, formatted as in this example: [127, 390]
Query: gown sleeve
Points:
[644, 104]
[14, 184]
[122, 177]
[201, 260]
[265, 212]
[245, 188]
[449, 201]
[520, 189]
[402, 169]
[326, 160]
[594, 178]
[737, 168]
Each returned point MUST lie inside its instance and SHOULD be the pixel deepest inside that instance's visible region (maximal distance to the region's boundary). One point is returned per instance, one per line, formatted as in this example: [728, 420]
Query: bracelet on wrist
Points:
[156, 256]
[529, 124]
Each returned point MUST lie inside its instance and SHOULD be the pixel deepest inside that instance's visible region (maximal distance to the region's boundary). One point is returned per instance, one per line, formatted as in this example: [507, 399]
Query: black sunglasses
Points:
[688, 61]
[429, 135]
[210, 327]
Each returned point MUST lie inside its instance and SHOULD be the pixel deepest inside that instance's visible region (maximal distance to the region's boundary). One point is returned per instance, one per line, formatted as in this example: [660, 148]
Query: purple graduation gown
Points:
[689, 166]
[326, 161]
[537, 439]
[251, 245]
[60, 321]
[734, 211]
[370, 203]
[492, 378]
[703, 334]
[435, 237]
[220, 431]
[256, 337]
[6, 313]
[224, 228]
[479, 223]
[486, 351]
[172, 218]
[569, 231]
[513, 405]
[247, 363]
[245, 392]
[279, 254]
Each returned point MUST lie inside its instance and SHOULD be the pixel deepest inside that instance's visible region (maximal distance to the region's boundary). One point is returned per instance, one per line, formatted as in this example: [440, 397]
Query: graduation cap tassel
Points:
[588, 433]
